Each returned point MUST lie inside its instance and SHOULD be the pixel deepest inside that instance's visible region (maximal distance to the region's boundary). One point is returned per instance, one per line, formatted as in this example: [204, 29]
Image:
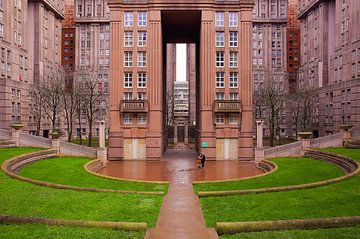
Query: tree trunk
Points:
[90, 132]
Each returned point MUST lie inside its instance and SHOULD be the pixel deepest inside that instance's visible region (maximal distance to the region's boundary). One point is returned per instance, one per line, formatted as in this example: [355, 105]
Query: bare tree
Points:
[303, 106]
[271, 95]
[69, 101]
[37, 106]
[92, 98]
[51, 91]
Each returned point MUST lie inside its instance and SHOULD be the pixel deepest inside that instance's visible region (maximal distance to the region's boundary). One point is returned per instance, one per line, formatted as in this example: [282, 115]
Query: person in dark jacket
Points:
[203, 158]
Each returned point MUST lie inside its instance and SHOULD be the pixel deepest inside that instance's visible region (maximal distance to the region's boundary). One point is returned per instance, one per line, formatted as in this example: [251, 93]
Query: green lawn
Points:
[70, 171]
[351, 153]
[34, 231]
[340, 199]
[291, 171]
[25, 199]
[331, 233]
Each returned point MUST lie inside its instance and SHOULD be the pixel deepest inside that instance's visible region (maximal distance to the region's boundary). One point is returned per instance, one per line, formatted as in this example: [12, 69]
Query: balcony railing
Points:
[227, 106]
[130, 106]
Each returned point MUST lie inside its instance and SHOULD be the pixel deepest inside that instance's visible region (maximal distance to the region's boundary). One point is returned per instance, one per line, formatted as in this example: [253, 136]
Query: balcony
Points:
[133, 106]
[227, 106]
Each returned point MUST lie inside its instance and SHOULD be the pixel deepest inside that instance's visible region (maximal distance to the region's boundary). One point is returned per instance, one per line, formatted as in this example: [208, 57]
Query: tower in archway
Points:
[222, 33]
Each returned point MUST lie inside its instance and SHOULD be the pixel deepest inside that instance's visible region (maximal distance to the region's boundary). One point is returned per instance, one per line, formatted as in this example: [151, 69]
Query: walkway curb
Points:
[93, 163]
[6, 168]
[285, 188]
[267, 166]
[314, 223]
[128, 226]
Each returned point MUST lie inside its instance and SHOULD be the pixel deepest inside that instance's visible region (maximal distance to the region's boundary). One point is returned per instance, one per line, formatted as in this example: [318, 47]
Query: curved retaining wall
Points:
[128, 226]
[349, 166]
[12, 167]
[256, 226]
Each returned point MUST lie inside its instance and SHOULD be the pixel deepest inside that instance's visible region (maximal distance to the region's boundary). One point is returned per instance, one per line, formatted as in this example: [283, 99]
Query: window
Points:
[128, 80]
[128, 96]
[219, 19]
[142, 19]
[220, 118]
[127, 118]
[233, 19]
[220, 61]
[79, 10]
[142, 59]
[233, 39]
[233, 59]
[141, 118]
[141, 96]
[220, 96]
[220, 39]
[142, 80]
[220, 79]
[1, 29]
[128, 59]
[128, 39]
[128, 19]
[233, 96]
[233, 119]
[233, 82]
[142, 36]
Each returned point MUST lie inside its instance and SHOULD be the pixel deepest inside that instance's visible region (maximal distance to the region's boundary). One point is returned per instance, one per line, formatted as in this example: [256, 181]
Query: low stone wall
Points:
[286, 150]
[29, 140]
[5, 134]
[127, 226]
[71, 149]
[335, 140]
[256, 226]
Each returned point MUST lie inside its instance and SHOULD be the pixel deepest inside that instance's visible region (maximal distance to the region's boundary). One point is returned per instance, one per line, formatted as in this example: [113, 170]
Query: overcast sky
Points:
[180, 62]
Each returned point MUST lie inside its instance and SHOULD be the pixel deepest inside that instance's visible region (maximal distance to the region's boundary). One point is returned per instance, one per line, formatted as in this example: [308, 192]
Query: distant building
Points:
[269, 45]
[30, 44]
[92, 48]
[330, 61]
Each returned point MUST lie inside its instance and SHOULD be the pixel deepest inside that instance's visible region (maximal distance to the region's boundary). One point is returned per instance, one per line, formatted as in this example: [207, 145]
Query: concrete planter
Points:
[345, 127]
[16, 126]
[305, 134]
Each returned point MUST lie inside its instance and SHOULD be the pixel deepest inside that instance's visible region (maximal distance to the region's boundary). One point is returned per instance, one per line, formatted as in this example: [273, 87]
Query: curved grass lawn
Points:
[351, 153]
[70, 171]
[339, 199]
[25, 199]
[291, 171]
[35, 231]
[338, 233]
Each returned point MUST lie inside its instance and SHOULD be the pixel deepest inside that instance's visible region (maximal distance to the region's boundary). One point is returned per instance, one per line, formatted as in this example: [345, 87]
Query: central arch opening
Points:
[181, 31]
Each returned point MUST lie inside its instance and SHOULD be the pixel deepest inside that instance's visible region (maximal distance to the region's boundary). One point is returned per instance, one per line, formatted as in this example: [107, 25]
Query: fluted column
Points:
[154, 139]
[207, 83]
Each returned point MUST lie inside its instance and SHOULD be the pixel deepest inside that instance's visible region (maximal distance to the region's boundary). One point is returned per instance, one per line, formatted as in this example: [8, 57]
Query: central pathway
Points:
[180, 214]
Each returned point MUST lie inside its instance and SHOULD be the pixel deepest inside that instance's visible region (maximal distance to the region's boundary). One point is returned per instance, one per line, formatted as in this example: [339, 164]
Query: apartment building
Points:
[92, 48]
[330, 61]
[30, 43]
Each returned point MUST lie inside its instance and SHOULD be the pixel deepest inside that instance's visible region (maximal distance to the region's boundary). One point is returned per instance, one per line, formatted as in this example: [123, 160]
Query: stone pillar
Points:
[259, 133]
[102, 151]
[186, 134]
[346, 133]
[305, 138]
[259, 151]
[56, 145]
[15, 133]
[102, 134]
[175, 134]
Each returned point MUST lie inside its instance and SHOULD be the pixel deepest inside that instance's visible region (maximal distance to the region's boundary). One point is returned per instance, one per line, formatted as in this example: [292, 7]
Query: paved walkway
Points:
[180, 214]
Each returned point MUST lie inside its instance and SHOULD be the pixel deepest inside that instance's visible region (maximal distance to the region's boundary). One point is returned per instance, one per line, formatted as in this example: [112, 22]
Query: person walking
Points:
[202, 158]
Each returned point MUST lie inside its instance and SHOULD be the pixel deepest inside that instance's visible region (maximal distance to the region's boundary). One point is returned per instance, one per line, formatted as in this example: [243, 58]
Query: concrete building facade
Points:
[30, 43]
[92, 50]
[330, 61]
[269, 45]
[222, 34]
[68, 37]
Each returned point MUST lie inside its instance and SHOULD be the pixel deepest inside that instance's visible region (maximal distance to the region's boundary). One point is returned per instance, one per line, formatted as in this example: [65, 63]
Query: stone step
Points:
[6, 142]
